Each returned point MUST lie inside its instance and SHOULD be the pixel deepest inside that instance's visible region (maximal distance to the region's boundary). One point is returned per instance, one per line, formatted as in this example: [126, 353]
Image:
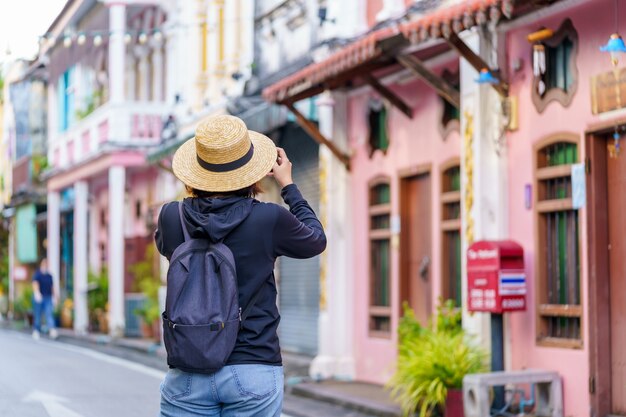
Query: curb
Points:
[352, 402]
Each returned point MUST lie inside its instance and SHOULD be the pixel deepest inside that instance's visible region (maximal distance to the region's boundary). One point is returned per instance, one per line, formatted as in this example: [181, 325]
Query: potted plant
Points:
[432, 362]
[97, 300]
[148, 282]
[4, 271]
[67, 313]
[23, 306]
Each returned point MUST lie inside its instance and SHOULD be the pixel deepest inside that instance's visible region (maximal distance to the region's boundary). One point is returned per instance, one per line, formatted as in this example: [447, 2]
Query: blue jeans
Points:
[235, 390]
[45, 306]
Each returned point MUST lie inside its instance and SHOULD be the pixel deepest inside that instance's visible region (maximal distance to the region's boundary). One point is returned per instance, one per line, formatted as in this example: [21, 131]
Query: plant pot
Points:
[454, 403]
[156, 331]
[66, 318]
[103, 322]
[147, 331]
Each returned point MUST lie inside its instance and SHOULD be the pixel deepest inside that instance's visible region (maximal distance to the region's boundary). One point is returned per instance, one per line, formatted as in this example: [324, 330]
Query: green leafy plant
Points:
[98, 294]
[23, 305]
[40, 164]
[92, 102]
[4, 259]
[432, 360]
[98, 298]
[148, 282]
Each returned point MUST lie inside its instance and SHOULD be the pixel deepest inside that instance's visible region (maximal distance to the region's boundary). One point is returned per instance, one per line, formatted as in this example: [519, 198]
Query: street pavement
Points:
[45, 378]
[48, 378]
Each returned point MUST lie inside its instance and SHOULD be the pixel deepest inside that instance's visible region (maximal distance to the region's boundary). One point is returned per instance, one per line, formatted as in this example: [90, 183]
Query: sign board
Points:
[496, 278]
[20, 273]
[579, 195]
[608, 91]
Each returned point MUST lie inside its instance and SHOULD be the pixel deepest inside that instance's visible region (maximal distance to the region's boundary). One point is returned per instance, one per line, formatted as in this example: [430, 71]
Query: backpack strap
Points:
[182, 221]
[251, 304]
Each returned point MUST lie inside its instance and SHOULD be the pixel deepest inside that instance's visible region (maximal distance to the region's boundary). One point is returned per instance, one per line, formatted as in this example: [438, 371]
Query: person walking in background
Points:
[44, 300]
[221, 168]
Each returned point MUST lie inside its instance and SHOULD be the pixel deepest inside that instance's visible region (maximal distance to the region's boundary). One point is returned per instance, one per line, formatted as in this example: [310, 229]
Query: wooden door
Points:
[416, 256]
[616, 187]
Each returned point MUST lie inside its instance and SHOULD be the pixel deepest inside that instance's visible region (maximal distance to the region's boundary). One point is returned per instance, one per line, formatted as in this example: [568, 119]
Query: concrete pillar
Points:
[483, 166]
[131, 78]
[335, 352]
[54, 238]
[81, 315]
[12, 238]
[144, 73]
[117, 185]
[94, 249]
[117, 51]
[157, 71]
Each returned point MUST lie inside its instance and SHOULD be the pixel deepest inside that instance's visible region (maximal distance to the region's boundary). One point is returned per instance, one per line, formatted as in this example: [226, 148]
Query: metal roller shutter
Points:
[299, 288]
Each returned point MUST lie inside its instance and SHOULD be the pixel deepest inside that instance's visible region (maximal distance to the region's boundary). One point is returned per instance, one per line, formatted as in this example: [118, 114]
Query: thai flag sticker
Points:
[512, 284]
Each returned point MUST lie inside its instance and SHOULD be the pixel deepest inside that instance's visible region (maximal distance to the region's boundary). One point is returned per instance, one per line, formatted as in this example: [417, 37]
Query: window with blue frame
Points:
[66, 99]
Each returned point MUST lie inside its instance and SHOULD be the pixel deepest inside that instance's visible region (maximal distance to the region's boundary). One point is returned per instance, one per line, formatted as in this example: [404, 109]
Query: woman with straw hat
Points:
[221, 168]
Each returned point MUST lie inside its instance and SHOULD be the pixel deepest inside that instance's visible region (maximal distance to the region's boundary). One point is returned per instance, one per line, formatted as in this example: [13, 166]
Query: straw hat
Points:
[224, 156]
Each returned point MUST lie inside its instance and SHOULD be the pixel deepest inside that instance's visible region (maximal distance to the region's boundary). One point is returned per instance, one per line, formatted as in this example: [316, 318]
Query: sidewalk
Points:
[303, 396]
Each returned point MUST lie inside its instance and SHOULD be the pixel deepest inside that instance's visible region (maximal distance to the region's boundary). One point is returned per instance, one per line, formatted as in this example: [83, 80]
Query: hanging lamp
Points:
[486, 77]
[615, 45]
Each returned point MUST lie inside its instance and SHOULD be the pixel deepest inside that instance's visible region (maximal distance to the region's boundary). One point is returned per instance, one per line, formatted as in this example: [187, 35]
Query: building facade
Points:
[107, 101]
[435, 162]
[25, 144]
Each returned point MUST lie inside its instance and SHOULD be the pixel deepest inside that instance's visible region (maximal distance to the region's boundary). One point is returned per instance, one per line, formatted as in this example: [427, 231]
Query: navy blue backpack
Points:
[202, 315]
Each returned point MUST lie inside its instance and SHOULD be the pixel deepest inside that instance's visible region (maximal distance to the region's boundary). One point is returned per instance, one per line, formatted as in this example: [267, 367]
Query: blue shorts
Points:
[235, 390]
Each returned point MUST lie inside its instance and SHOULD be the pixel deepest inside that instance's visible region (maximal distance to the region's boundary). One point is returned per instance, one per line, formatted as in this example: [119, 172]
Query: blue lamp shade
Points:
[615, 44]
[486, 77]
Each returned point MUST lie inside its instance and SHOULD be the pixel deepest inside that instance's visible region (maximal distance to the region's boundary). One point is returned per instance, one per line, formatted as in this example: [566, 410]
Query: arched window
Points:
[554, 67]
[380, 257]
[451, 231]
[558, 248]
[378, 130]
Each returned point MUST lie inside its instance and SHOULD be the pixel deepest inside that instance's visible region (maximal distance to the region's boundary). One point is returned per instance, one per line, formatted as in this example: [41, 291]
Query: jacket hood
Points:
[215, 218]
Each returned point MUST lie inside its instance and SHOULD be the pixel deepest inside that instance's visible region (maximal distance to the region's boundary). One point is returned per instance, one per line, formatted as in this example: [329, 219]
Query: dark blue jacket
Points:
[257, 233]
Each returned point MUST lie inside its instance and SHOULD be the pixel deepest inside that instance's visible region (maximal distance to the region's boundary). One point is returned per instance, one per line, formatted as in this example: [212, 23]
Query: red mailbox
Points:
[496, 278]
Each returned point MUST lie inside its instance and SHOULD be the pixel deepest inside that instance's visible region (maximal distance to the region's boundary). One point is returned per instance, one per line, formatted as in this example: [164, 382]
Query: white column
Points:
[54, 238]
[117, 51]
[488, 167]
[157, 71]
[335, 352]
[12, 238]
[144, 72]
[94, 249]
[117, 184]
[81, 317]
[131, 79]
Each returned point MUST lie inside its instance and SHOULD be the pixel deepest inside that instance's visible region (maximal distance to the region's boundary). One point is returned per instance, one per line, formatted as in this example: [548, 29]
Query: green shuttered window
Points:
[380, 259]
[451, 230]
[558, 251]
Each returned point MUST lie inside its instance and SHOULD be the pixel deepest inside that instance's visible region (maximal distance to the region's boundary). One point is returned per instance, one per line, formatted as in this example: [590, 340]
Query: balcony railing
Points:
[130, 124]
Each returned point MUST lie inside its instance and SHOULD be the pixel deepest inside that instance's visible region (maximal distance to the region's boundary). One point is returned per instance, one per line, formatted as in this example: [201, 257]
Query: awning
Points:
[387, 50]
[372, 52]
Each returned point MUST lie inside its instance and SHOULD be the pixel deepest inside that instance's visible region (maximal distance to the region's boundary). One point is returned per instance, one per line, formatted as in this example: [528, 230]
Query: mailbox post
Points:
[496, 284]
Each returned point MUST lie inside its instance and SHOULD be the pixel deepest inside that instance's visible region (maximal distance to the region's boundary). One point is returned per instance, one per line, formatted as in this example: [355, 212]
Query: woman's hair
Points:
[249, 192]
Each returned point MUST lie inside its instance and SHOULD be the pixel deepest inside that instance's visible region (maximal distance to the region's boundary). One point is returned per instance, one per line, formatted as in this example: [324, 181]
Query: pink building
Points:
[436, 162]
[106, 104]
[575, 258]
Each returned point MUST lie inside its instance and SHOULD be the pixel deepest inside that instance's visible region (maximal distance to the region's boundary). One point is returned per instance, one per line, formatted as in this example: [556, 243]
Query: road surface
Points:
[47, 378]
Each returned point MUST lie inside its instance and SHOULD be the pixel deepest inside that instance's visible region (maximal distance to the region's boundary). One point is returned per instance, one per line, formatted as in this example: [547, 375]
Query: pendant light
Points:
[615, 45]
